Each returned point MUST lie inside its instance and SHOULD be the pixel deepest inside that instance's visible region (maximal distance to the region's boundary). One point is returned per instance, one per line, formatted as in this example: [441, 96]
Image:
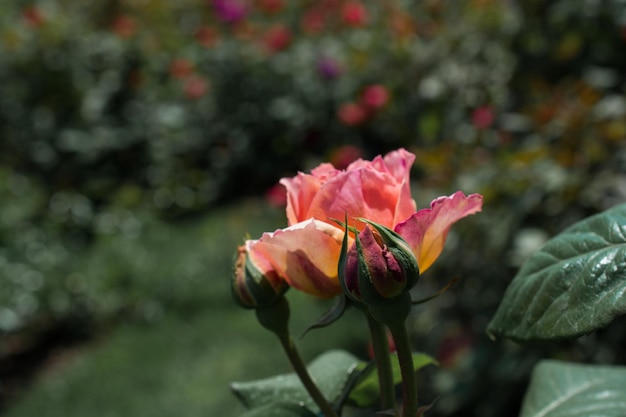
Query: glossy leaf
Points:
[331, 371]
[573, 285]
[559, 389]
[366, 390]
[281, 409]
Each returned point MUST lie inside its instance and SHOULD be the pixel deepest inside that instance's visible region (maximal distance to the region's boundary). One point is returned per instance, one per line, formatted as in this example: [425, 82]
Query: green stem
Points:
[380, 345]
[405, 358]
[300, 369]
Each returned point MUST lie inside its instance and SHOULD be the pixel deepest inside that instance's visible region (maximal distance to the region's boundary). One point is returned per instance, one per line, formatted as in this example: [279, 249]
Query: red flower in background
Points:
[375, 96]
[270, 6]
[207, 36]
[124, 27]
[313, 21]
[351, 114]
[277, 38]
[180, 68]
[32, 16]
[195, 87]
[354, 14]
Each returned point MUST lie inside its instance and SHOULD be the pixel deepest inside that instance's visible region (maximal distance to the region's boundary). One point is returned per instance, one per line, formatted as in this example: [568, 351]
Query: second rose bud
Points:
[378, 267]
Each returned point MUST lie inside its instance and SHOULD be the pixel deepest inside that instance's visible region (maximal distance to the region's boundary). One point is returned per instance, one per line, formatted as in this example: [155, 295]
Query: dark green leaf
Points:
[573, 285]
[280, 409]
[559, 389]
[366, 390]
[331, 371]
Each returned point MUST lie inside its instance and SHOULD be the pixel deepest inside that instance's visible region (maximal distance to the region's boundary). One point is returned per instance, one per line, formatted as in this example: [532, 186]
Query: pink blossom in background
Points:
[345, 155]
[354, 14]
[352, 114]
[195, 87]
[483, 117]
[276, 196]
[375, 96]
[230, 11]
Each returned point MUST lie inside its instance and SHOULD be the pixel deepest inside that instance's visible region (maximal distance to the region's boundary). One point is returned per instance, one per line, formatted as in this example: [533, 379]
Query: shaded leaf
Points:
[366, 390]
[573, 285]
[331, 371]
[280, 409]
[564, 389]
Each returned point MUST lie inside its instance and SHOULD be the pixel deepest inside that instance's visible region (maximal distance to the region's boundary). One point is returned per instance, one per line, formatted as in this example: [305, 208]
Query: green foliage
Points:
[572, 286]
[280, 409]
[332, 371]
[366, 389]
[565, 389]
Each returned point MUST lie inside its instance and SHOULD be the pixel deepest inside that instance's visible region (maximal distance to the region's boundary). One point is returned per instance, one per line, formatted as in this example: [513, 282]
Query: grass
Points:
[181, 361]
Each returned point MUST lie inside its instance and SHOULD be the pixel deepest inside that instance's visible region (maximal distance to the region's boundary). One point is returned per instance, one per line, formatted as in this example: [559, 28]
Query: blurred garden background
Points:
[141, 140]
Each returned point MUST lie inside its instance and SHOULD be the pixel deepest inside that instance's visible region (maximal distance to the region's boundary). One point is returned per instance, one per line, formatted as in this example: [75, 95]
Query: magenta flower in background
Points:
[329, 68]
[230, 11]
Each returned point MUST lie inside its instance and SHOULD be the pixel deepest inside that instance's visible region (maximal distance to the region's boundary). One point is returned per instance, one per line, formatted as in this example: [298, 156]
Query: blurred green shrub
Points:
[114, 115]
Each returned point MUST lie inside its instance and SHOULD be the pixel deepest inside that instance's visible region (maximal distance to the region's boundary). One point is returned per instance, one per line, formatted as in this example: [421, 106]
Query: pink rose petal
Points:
[426, 230]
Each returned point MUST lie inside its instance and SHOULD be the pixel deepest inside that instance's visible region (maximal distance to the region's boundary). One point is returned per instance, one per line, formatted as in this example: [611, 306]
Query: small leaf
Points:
[331, 371]
[280, 409]
[329, 317]
[573, 285]
[366, 390]
[559, 389]
[421, 412]
[443, 290]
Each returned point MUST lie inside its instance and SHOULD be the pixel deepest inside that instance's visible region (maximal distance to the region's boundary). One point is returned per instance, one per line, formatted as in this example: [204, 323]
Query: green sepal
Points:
[259, 287]
[392, 311]
[275, 317]
[330, 316]
[343, 258]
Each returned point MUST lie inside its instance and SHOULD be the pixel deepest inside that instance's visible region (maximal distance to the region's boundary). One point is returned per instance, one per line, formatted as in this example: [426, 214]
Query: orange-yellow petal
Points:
[426, 230]
[306, 256]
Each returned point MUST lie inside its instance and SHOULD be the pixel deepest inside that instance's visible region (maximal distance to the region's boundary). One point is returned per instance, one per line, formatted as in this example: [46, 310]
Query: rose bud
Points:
[378, 267]
[255, 284]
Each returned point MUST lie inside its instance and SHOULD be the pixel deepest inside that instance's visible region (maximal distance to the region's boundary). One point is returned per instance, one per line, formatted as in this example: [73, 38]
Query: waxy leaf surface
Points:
[280, 409]
[331, 371]
[559, 389]
[573, 285]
